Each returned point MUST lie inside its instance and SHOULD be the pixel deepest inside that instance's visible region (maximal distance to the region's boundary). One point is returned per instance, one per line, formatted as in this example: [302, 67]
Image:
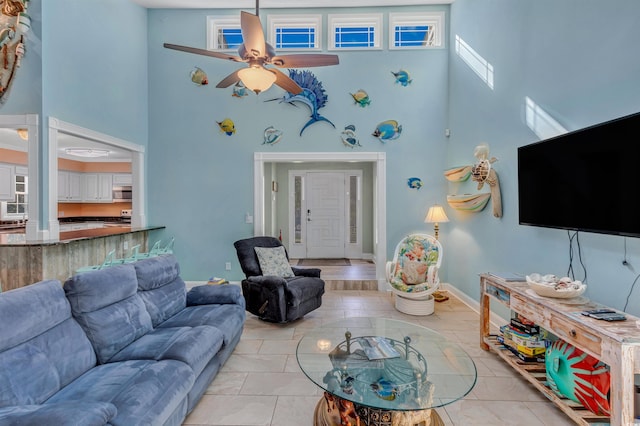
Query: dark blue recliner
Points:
[274, 298]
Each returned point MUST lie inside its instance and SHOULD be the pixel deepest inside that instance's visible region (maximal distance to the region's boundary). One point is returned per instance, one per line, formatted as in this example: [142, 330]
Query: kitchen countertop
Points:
[19, 239]
[75, 219]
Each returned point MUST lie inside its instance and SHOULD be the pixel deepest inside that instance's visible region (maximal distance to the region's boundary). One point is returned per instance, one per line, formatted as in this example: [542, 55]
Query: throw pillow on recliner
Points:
[273, 261]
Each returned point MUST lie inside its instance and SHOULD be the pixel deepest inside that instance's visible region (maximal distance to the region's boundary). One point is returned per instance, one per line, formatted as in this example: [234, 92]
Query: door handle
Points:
[308, 215]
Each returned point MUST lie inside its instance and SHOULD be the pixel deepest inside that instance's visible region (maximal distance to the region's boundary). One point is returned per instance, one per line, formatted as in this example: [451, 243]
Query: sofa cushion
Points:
[301, 289]
[107, 306]
[195, 346]
[273, 261]
[161, 287]
[61, 414]
[143, 392]
[42, 348]
[229, 319]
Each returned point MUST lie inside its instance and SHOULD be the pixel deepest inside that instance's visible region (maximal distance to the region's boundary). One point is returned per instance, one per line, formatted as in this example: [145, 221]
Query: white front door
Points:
[325, 214]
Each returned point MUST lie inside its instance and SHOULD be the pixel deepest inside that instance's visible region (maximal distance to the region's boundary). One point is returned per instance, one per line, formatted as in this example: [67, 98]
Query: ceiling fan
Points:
[257, 53]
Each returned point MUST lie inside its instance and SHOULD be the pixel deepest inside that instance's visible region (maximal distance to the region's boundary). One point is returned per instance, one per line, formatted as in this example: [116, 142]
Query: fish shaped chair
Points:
[413, 273]
[273, 290]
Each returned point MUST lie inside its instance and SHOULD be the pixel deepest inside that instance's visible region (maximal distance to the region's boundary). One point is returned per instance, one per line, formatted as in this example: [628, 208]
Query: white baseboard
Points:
[473, 304]
[191, 284]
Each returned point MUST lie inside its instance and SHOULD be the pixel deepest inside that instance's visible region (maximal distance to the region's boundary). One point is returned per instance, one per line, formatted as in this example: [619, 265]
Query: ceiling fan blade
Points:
[305, 60]
[232, 78]
[252, 35]
[285, 82]
[203, 52]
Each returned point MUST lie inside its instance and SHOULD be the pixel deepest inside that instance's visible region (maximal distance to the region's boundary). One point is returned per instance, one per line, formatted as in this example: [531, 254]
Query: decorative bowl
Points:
[551, 286]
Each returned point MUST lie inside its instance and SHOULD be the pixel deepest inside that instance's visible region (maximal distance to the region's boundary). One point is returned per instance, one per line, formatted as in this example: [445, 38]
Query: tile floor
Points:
[261, 383]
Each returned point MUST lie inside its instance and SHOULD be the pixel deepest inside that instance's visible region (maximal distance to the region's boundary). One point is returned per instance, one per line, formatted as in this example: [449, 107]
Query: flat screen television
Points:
[585, 180]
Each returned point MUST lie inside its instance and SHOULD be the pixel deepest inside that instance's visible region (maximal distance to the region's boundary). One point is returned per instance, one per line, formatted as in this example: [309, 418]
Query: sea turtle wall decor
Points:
[14, 24]
[482, 172]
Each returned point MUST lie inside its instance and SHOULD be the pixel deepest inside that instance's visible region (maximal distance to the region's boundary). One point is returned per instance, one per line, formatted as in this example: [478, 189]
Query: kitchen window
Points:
[18, 208]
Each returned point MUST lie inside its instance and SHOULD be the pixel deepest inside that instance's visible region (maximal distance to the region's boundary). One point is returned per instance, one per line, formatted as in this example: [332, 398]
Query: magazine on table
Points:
[378, 348]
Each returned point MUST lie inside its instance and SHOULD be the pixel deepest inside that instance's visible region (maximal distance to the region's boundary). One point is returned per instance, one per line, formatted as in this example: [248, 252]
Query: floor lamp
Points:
[436, 215]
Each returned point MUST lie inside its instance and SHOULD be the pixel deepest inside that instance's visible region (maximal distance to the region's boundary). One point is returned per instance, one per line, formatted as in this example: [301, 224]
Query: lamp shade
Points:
[436, 214]
[257, 79]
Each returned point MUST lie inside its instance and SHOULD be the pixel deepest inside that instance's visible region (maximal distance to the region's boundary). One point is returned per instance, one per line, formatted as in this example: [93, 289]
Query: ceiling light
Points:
[257, 79]
[23, 133]
[87, 152]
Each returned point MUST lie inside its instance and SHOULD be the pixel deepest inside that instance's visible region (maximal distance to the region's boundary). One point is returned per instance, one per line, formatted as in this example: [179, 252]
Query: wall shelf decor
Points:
[458, 173]
[473, 203]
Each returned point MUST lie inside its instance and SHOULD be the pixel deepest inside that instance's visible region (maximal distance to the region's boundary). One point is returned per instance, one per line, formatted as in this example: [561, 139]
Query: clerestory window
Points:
[223, 33]
[295, 32]
[416, 31]
[362, 31]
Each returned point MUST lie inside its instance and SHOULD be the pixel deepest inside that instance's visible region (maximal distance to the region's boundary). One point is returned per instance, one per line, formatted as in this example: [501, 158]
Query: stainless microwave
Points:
[122, 194]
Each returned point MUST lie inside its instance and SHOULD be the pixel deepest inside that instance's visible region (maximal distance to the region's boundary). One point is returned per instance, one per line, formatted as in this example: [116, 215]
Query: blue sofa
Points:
[126, 345]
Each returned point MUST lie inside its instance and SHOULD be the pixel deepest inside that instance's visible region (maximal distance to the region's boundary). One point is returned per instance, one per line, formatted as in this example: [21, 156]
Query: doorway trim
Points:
[379, 193]
[56, 126]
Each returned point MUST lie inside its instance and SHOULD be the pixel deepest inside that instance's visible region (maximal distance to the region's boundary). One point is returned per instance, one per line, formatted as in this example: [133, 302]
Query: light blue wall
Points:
[576, 59]
[85, 63]
[95, 66]
[201, 181]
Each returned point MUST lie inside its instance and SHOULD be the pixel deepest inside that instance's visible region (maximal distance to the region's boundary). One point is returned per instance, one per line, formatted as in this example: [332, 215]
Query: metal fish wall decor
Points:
[402, 77]
[348, 136]
[227, 126]
[271, 136]
[313, 96]
[239, 90]
[199, 77]
[414, 183]
[361, 98]
[387, 130]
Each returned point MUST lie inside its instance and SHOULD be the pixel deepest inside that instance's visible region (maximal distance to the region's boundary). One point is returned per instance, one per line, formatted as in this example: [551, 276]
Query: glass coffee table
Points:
[379, 372]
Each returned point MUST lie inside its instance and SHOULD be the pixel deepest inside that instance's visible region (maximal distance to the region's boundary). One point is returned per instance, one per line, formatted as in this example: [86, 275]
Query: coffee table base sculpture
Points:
[334, 411]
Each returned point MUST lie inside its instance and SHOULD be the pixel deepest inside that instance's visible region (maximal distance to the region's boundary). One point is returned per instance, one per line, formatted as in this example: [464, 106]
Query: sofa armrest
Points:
[72, 413]
[306, 272]
[222, 294]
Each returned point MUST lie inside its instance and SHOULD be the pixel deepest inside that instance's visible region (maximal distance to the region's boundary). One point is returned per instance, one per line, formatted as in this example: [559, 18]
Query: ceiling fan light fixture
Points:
[87, 152]
[23, 133]
[257, 79]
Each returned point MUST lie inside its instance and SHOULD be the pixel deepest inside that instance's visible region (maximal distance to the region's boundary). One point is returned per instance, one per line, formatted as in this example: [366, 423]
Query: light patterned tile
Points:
[262, 384]
[290, 410]
[236, 410]
[279, 347]
[251, 363]
[508, 413]
[226, 383]
[278, 384]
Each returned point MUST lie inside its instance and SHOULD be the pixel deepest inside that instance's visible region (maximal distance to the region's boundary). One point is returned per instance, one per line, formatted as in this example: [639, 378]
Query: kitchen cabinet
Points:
[7, 186]
[98, 187]
[120, 179]
[69, 186]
